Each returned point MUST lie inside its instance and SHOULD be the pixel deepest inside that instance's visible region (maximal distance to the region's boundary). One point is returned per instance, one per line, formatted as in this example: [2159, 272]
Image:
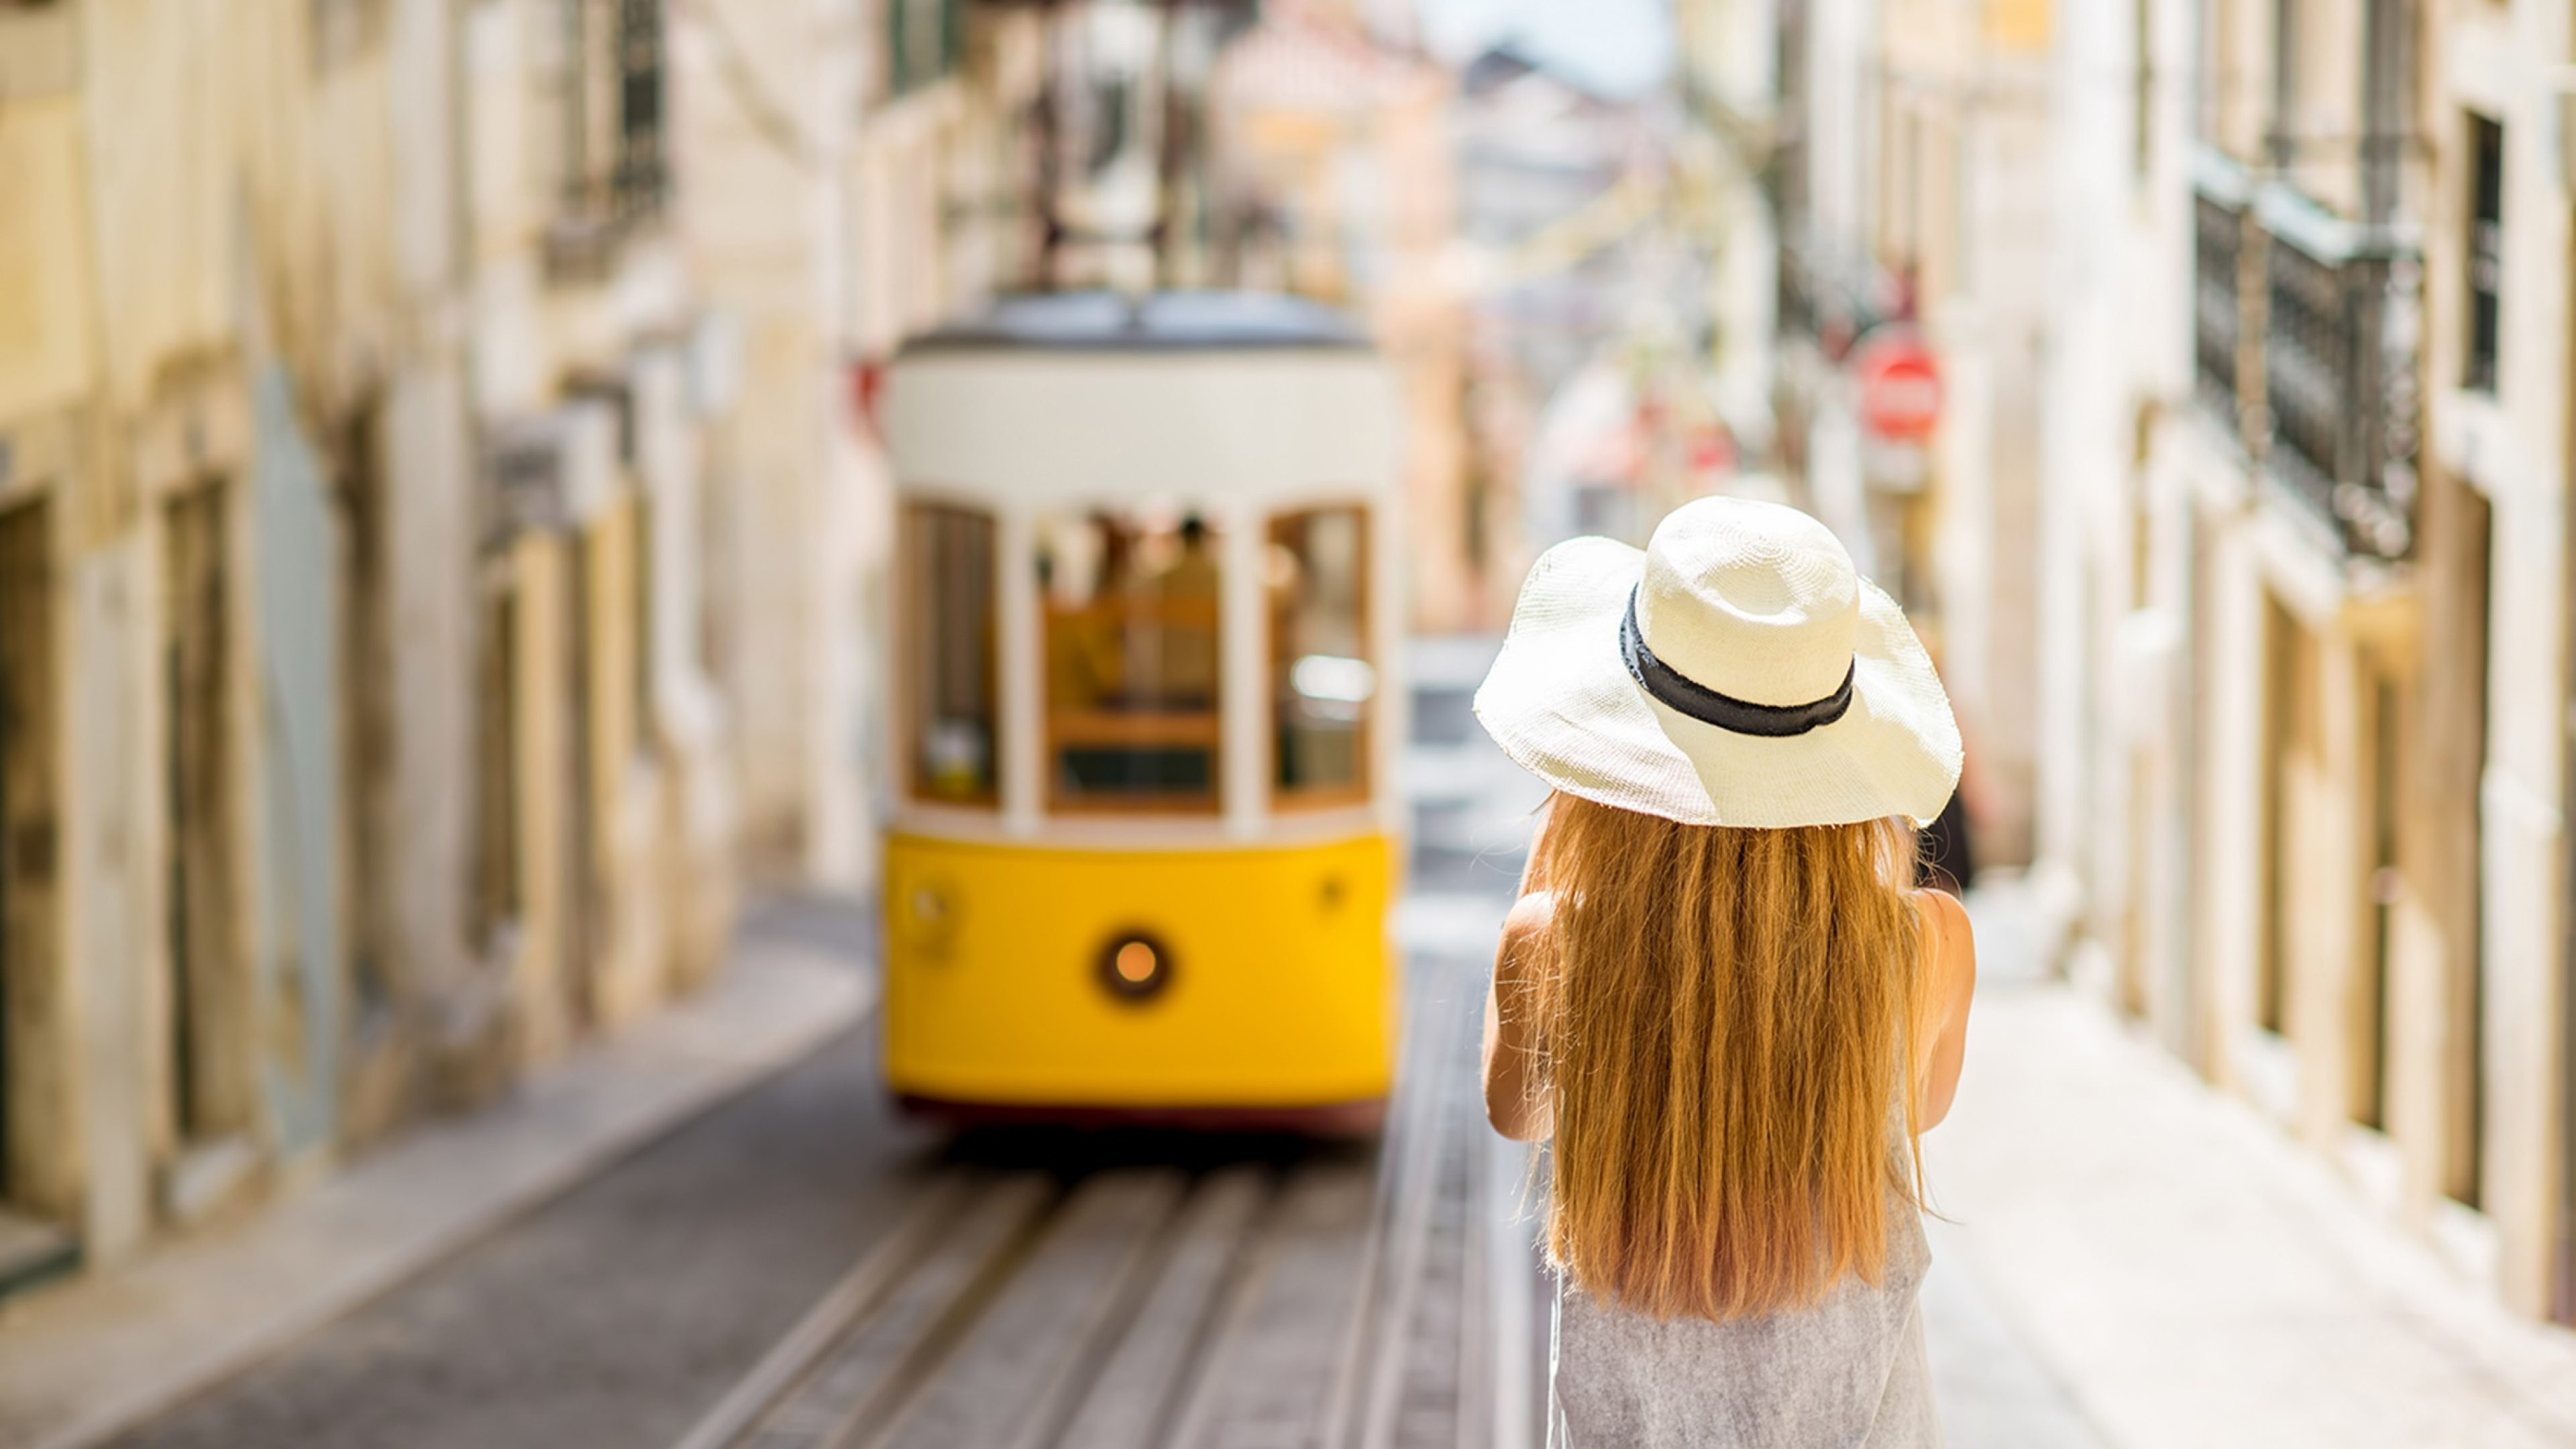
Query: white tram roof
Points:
[1155, 322]
[1086, 397]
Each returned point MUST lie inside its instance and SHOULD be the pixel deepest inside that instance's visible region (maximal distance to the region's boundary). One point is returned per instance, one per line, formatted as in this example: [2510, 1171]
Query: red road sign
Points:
[1900, 384]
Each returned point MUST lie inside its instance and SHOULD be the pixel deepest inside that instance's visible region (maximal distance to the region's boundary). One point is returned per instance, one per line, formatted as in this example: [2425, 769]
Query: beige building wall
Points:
[296, 258]
[836, 218]
[2322, 850]
[1350, 146]
[47, 365]
[1931, 202]
[2507, 63]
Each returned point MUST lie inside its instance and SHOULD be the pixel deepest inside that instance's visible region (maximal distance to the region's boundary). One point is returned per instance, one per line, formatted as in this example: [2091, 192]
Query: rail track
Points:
[1193, 1296]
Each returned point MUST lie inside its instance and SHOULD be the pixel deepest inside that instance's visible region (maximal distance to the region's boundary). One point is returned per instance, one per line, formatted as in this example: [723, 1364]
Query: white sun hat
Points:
[1738, 671]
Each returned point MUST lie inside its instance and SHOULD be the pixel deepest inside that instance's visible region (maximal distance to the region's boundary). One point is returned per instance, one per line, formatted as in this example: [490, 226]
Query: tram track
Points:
[1128, 1307]
[1318, 1297]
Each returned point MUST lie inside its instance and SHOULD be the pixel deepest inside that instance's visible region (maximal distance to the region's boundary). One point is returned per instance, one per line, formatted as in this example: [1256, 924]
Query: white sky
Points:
[1617, 47]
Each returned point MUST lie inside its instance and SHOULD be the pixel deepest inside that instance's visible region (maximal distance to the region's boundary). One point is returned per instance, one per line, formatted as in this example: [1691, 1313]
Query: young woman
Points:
[1718, 998]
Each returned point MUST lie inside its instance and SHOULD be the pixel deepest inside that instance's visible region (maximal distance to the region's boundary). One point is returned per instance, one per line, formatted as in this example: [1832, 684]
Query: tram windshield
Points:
[1322, 680]
[953, 653]
[1131, 649]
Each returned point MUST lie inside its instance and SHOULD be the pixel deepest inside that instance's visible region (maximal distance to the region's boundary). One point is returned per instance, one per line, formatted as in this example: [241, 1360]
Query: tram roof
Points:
[1101, 321]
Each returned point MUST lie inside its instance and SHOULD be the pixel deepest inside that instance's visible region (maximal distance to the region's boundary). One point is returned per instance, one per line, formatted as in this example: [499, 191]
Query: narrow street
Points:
[800, 1268]
[601, 598]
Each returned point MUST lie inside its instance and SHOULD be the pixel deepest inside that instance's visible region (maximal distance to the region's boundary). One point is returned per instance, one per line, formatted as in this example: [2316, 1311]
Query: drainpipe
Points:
[2563, 1276]
[2383, 111]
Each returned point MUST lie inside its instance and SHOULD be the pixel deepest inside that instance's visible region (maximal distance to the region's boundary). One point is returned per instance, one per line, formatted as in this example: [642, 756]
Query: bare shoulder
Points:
[1527, 928]
[1532, 911]
[1941, 910]
[1953, 940]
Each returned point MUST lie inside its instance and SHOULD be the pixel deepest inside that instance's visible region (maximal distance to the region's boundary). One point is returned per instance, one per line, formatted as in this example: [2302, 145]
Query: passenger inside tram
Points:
[1132, 661]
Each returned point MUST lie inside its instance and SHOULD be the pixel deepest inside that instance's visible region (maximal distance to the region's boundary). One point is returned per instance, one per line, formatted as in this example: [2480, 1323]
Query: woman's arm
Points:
[1514, 1101]
[1953, 964]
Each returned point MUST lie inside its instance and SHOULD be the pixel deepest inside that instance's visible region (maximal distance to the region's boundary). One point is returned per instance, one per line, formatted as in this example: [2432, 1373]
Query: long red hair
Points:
[1728, 1033]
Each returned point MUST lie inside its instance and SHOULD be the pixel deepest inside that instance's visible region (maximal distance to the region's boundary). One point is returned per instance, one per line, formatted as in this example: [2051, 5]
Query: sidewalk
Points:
[2191, 1275]
[84, 1361]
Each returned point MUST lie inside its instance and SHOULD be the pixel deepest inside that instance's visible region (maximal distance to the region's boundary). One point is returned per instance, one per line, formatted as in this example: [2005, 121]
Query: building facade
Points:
[2242, 535]
[1910, 196]
[1332, 175]
[2305, 730]
[439, 540]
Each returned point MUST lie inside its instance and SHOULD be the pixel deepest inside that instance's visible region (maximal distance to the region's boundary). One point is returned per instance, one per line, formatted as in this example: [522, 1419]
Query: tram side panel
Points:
[1142, 980]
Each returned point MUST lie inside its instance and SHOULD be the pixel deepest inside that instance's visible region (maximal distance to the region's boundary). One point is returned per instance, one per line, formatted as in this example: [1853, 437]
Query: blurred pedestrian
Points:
[1188, 590]
[1719, 999]
[1945, 851]
[1945, 854]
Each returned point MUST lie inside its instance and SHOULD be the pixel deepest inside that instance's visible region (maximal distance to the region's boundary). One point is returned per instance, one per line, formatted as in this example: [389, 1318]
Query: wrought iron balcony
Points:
[2218, 306]
[2305, 350]
[2340, 374]
[1797, 292]
[1833, 295]
[615, 177]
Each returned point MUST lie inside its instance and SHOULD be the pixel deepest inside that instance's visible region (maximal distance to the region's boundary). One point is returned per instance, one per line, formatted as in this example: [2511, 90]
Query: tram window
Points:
[1322, 680]
[1131, 643]
[948, 563]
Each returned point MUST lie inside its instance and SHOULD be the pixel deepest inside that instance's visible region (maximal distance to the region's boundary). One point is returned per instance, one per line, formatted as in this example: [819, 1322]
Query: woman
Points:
[1717, 998]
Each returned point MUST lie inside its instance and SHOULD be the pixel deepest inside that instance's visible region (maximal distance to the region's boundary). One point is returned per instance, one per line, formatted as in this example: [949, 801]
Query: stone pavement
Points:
[2190, 1275]
[2128, 1260]
[84, 1361]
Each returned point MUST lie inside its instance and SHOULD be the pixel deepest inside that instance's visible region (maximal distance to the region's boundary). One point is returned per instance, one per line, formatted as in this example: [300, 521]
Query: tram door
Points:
[28, 833]
[210, 1074]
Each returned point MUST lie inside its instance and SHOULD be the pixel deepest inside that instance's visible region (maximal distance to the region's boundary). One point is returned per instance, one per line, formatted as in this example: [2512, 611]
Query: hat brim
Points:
[1561, 703]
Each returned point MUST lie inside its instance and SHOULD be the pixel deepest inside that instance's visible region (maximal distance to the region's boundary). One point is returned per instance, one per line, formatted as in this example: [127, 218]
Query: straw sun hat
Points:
[1738, 671]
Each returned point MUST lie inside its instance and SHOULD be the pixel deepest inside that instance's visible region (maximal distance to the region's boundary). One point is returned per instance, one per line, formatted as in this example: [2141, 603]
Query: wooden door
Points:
[29, 848]
[209, 1036]
[366, 703]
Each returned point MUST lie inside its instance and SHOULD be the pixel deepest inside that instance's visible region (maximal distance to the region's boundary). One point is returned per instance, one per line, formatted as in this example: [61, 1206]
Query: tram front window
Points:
[1131, 644]
[1321, 679]
[947, 562]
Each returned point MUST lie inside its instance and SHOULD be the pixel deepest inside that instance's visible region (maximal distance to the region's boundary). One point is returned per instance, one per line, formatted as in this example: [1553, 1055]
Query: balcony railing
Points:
[1797, 299]
[2327, 395]
[2218, 309]
[1832, 296]
[615, 173]
[2340, 378]
[639, 176]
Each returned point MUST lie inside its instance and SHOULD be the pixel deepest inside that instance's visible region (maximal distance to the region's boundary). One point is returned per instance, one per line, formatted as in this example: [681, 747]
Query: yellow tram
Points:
[1146, 701]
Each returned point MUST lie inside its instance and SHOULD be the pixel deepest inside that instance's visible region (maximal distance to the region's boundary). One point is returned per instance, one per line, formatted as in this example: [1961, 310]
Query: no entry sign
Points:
[1900, 385]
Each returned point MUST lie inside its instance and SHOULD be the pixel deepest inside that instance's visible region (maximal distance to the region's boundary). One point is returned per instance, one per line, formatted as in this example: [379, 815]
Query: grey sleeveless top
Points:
[1849, 1373]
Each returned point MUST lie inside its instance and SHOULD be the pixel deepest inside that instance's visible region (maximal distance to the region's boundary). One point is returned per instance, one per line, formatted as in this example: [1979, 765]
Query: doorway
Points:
[2291, 783]
[374, 1069]
[2383, 703]
[496, 899]
[209, 1040]
[2473, 543]
[584, 933]
[29, 896]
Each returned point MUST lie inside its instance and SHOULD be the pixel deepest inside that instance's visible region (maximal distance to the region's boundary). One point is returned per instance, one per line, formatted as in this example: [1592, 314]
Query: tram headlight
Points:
[929, 919]
[1135, 965]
